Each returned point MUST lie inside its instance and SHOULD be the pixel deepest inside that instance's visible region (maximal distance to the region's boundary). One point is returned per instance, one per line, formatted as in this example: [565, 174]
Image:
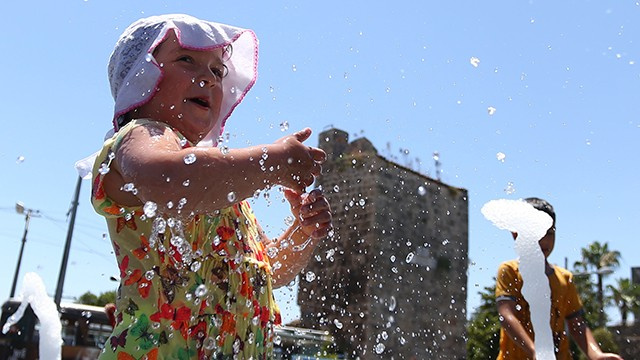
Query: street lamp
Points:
[28, 213]
[601, 272]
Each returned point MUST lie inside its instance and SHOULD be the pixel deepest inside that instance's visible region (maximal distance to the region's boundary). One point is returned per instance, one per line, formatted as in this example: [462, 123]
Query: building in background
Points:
[392, 280]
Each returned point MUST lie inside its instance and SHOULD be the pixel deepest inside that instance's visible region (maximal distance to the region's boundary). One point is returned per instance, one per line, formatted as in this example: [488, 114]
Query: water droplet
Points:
[310, 276]
[195, 266]
[224, 150]
[510, 189]
[518, 307]
[409, 257]
[20, 159]
[190, 158]
[201, 290]
[474, 61]
[284, 126]
[293, 68]
[272, 252]
[186, 182]
[231, 196]
[104, 169]
[159, 225]
[336, 188]
[501, 156]
[209, 343]
[379, 348]
[233, 89]
[202, 83]
[422, 191]
[150, 208]
[148, 58]
[491, 110]
[149, 275]
[392, 303]
[176, 241]
[181, 203]
[289, 220]
[361, 202]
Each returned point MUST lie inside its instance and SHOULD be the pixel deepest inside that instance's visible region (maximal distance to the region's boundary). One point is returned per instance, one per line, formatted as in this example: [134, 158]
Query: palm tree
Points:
[626, 296]
[597, 258]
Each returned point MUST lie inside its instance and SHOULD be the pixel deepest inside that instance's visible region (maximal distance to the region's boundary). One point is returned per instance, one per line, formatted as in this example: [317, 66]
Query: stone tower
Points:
[391, 281]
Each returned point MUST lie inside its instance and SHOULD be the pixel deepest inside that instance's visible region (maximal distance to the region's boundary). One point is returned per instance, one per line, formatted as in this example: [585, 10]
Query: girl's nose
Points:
[208, 78]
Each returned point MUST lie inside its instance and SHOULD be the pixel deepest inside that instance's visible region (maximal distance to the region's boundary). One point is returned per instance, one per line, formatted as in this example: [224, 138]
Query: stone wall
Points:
[391, 281]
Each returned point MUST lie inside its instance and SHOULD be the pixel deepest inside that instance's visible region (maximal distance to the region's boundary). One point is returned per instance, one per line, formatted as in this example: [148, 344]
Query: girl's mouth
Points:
[203, 102]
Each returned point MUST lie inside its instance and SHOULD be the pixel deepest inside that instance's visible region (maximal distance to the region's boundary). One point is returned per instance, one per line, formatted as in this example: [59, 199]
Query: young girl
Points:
[196, 270]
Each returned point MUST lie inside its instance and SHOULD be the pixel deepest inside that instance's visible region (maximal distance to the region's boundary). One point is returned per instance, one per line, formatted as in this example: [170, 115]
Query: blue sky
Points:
[563, 77]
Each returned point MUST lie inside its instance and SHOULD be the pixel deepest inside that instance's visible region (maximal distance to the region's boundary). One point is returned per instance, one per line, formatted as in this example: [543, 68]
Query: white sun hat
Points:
[134, 74]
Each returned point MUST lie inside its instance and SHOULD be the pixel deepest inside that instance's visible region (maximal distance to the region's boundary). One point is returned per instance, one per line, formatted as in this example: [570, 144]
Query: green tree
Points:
[483, 329]
[597, 257]
[626, 296]
[104, 298]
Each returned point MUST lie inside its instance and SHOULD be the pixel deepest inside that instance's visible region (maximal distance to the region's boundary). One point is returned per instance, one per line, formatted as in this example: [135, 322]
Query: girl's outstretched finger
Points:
[302, 135]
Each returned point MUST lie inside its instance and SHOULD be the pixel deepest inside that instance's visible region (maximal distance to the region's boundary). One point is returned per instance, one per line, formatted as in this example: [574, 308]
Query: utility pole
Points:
[67, 244]
[28, 213]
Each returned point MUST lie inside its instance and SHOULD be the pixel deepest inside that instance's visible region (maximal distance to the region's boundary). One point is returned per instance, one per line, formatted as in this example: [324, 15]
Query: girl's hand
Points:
[302, 163]
[312, 212]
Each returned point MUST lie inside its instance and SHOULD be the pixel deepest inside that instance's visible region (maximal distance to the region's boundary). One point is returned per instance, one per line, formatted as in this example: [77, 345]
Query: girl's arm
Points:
[292, 250]
[151, 158]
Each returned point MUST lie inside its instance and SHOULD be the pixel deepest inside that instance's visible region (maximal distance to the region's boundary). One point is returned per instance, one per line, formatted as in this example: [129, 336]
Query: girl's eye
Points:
[220, 71]
[186, 58]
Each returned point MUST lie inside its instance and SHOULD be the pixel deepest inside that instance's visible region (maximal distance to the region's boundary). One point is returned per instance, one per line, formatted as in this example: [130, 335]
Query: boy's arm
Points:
[583, 336]
[513, 327]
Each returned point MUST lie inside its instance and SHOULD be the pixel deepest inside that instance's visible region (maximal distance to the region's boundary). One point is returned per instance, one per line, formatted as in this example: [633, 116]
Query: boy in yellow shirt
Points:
[516, 334]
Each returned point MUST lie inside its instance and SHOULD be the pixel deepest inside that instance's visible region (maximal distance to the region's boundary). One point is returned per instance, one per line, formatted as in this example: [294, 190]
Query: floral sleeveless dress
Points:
[196, 289]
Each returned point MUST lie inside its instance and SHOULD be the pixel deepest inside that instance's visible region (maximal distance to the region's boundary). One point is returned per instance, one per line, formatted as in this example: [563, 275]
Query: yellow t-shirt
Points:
[565, 303]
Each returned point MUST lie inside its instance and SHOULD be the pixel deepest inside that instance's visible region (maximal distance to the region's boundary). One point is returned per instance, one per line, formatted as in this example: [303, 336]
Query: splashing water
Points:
[190, 158]
[34, 293]
[510, 189]
[531, 225]
[310, 276]
[289, 220]
[150, 208]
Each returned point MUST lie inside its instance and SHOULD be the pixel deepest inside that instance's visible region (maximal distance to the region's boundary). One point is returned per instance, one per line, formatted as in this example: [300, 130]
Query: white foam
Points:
[34, 293]
[531, 225]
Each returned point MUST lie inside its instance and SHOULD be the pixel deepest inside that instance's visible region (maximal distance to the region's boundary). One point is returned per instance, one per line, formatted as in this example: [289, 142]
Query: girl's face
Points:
[189, 96]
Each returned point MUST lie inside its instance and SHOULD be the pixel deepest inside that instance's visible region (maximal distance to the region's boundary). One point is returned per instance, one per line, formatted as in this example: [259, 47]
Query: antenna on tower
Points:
[436, 158]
